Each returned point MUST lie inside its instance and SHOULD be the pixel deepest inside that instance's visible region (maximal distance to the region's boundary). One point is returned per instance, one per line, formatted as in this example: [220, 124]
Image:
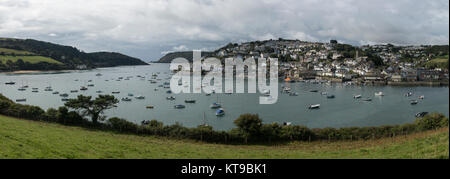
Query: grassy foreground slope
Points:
[28, 139]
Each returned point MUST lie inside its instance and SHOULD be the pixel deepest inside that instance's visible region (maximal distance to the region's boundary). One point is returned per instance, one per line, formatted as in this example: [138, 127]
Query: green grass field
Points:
[29, 139]
[16, 52]
[441, 62]
[30, 59]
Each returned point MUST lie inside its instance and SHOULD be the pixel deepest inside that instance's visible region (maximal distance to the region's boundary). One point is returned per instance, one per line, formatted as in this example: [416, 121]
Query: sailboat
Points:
[205, 124]
[216, 104]
[220, 112]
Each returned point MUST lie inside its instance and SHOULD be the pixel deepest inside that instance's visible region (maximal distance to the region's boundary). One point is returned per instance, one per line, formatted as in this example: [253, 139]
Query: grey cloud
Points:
[146, 28]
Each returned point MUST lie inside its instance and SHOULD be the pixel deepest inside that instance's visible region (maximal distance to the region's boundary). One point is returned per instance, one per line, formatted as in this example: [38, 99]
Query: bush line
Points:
[250, 128]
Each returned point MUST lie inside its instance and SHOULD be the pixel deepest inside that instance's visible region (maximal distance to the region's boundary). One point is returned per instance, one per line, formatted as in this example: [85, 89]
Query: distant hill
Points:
[29, 54]
[187, 55]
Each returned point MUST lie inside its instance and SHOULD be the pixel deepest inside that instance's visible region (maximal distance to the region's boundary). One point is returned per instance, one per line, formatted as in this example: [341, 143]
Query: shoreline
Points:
[21, 72]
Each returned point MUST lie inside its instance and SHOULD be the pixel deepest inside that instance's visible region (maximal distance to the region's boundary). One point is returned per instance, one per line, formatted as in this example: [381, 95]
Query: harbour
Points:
[145, 95]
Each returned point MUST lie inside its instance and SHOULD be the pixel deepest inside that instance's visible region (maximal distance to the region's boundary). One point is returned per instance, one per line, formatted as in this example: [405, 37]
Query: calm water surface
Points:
[343, 111]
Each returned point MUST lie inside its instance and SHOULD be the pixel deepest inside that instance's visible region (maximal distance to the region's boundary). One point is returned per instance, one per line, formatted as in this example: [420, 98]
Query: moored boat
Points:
[215, 105]
[367, 99]
[314, 106]
[220, 112]
[179, 106]
[126, 99]
[379, 94]
[140, 97]
[21, 100]
[189, 101]
[421, 114]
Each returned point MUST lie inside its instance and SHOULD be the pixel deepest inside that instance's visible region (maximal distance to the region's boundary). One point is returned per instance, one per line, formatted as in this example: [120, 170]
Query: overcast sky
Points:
[148, 29]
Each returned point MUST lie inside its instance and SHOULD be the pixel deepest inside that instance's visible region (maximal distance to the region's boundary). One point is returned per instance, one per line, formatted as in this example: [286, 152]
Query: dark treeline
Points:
[250, 128]
[21, 65]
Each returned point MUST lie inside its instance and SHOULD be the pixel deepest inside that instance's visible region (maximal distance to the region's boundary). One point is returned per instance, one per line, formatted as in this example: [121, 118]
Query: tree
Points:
[249, 124]
[93, 108]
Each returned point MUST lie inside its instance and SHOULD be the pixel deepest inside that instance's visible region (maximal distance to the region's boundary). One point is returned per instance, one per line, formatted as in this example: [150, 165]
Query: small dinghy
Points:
[189, 101]
[126, 99]
[179, 106]
[21, 100]
[140, 97]
[367, 99]
[215, 105]
[314, 106]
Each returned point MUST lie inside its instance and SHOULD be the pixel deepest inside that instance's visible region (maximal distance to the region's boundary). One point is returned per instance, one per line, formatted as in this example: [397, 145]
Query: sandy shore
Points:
[22, 72]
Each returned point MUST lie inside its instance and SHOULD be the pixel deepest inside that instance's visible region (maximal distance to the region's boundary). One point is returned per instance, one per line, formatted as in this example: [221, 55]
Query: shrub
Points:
[249, 125]
[299, 133]
[431, 121]
[121, 125]
[51, 115]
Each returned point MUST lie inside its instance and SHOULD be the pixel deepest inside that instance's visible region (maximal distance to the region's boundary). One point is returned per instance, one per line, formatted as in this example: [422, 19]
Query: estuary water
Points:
[341, 111]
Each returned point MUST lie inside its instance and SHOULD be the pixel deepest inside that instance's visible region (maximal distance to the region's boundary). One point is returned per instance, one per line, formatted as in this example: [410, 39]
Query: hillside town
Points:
[369, 64]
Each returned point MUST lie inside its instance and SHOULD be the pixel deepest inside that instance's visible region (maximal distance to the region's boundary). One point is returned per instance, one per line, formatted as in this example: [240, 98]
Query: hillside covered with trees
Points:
[28, 54]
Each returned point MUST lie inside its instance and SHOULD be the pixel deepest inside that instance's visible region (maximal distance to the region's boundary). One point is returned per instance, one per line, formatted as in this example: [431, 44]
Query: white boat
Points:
[414, 102]
[170, 98]
[379, 94]
[140, 97]
[357, 96]
[287, 123]
[408, 94]
[265, 92]
[314, 106]
[421, 97]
